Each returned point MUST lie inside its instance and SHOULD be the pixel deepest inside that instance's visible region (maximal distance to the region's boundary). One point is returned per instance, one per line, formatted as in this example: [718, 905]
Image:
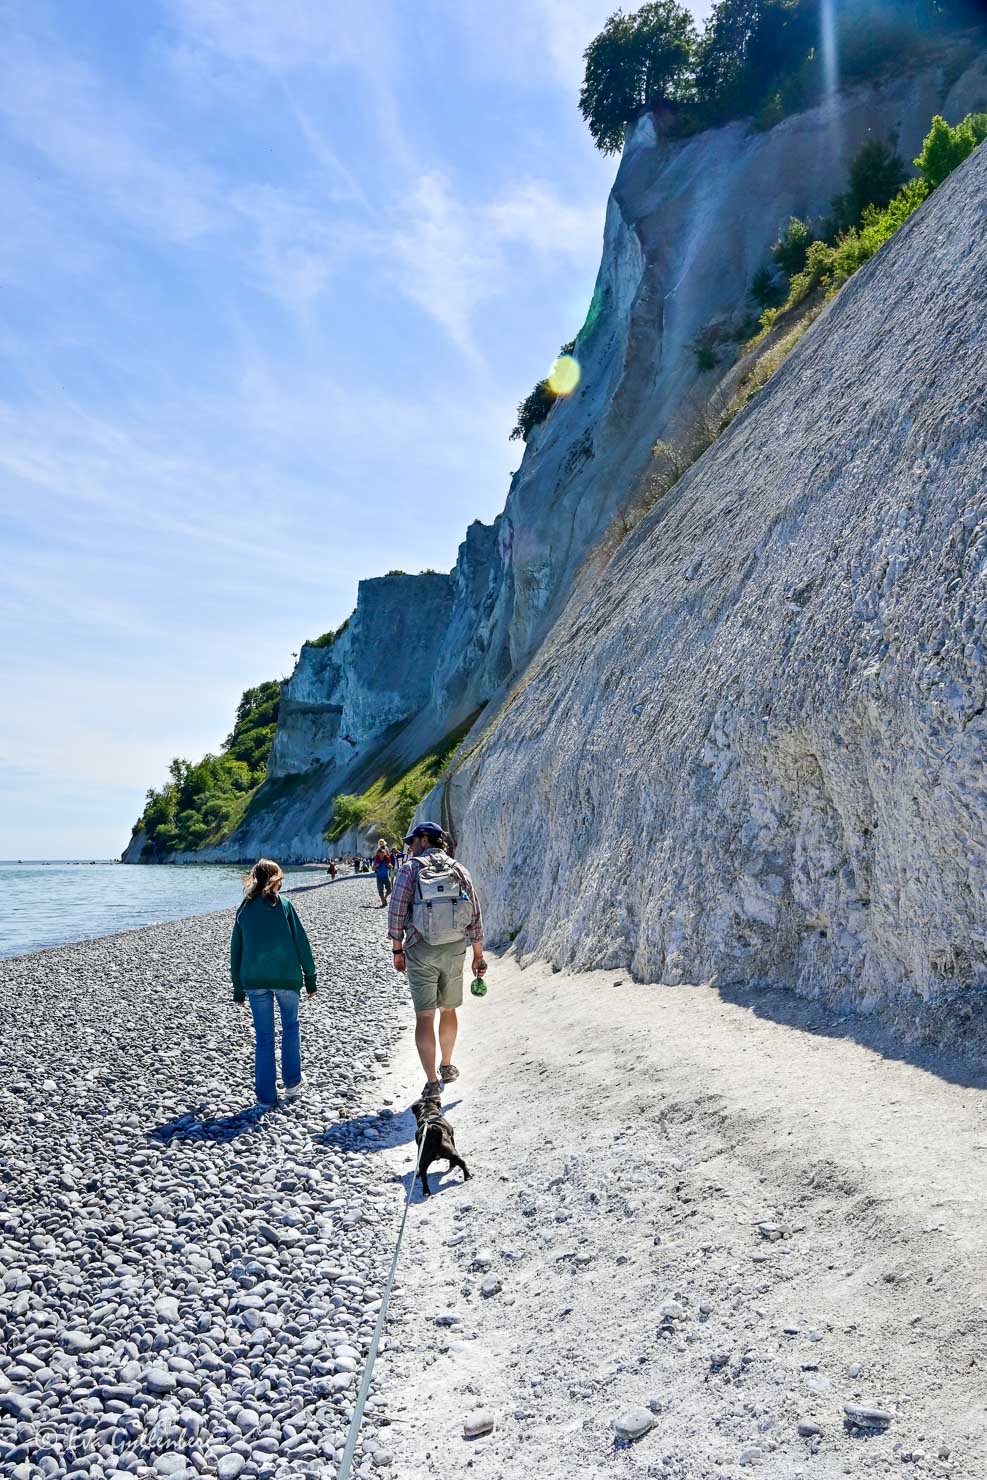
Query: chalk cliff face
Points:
[754, 749]
[342, 700]
[688, 224]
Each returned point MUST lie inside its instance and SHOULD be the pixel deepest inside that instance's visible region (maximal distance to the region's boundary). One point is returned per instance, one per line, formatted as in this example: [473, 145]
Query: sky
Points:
[273, 279]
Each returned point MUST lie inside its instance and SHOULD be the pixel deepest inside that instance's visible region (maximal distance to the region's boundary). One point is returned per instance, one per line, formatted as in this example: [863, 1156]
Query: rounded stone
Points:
[478, 1423]
[160, 1380]
[633, 1424]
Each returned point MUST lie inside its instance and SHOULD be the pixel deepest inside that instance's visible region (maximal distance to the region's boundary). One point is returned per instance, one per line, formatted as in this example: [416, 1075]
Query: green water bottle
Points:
[478, 987]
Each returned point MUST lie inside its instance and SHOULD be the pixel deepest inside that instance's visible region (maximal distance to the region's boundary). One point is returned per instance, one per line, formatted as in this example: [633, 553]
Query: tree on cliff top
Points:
[636, 62]
[748, 46]
[757, 58]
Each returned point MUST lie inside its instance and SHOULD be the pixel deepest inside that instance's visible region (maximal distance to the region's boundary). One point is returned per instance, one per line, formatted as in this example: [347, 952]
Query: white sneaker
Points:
[292, 1091]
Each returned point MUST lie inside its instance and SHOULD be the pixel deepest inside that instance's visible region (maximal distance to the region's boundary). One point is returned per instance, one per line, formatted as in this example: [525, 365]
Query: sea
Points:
[52, 903]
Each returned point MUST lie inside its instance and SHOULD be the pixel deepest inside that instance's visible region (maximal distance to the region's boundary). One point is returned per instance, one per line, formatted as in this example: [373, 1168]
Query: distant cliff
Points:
[689, 222]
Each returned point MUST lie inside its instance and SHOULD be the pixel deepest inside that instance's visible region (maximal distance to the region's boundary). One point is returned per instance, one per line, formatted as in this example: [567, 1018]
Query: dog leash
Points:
[363, 1391]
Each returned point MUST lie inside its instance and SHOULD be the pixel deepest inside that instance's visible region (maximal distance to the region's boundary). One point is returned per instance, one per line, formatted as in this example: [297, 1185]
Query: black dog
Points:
[439, 1139]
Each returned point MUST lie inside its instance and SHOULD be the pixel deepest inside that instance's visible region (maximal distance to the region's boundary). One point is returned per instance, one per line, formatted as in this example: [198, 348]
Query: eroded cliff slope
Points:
[753, 749]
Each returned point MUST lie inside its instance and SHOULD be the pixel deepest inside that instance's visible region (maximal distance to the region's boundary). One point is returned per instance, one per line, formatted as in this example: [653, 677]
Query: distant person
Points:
[270, 959]
[331, 870]
[434, 912]
[382, 871]
[356, 865]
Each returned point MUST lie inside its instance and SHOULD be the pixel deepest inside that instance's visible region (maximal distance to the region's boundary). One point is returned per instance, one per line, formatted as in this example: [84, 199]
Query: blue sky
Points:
[274, 277]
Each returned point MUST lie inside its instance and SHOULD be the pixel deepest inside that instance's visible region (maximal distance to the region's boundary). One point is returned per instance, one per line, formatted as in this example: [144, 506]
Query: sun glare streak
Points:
[829, 46]
[831, 61]
[564, 375]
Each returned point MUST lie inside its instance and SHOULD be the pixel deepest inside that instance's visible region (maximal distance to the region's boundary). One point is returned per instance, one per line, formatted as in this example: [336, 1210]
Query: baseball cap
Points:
[424, 830]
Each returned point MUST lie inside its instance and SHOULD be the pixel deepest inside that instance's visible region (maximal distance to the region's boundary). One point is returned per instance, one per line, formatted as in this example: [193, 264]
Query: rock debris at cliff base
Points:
[187, 1289]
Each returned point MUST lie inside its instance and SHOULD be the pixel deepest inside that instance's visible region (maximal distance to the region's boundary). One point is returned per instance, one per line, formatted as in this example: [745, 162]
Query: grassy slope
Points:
[389, 804]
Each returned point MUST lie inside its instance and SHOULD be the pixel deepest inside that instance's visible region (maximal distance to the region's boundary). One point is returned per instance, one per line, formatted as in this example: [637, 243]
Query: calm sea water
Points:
[48, 904]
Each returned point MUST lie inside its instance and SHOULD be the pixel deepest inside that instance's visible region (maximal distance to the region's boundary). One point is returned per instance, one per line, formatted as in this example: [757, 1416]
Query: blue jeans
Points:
[265, 1073]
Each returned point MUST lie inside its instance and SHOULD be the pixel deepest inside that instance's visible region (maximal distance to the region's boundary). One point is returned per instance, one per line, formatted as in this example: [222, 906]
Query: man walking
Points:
[433, 913]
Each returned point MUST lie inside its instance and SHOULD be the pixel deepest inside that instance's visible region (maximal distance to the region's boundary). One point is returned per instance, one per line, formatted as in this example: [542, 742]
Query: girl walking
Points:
[270, 958]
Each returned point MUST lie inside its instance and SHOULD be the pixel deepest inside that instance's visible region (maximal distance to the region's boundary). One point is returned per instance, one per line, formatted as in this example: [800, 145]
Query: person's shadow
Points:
[195, 1125]
[380, 1130]
[383, 1131]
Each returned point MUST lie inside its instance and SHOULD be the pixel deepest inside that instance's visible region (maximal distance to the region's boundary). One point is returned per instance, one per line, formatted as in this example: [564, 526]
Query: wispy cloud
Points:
[536, 217]
[56, 107]
[136, 173]
[282, 38]
[302, 39]
[449, 255]
[443, 261]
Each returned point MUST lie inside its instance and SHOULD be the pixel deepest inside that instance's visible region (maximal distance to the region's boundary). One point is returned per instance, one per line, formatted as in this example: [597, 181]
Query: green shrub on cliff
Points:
[201, 802]
[945, 148]
[830, 264]
[532, 411]
[766, 289]
[791, 249]
[391, 802]
[328, 638]
[252, 735]
[877, 173]
[347, 812]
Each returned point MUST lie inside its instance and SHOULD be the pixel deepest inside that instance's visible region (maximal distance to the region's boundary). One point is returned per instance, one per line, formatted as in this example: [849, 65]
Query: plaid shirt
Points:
[399, 926]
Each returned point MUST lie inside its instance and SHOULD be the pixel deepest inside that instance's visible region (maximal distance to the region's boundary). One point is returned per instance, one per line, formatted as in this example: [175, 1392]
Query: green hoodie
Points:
[269, 949]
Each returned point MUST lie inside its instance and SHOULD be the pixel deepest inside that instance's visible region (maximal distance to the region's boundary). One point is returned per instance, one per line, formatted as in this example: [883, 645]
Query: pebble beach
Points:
[188, 1284]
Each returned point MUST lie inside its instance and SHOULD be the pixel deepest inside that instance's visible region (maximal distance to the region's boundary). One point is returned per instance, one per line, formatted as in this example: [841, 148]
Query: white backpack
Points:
[441, 911]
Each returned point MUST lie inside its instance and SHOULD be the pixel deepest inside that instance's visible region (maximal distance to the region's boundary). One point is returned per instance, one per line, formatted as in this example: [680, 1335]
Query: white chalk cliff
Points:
[753, 749]
[751, 744]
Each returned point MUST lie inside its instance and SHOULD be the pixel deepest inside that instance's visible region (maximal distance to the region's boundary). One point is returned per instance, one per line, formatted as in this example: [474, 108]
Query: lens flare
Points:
[564, 375]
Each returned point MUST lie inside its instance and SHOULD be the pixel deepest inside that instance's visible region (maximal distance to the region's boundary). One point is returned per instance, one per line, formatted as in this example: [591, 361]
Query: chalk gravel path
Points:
[708, 1221]
[714, 1219]
[185, 1288]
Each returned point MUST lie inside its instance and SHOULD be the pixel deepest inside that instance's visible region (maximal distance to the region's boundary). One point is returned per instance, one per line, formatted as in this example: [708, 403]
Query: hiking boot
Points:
[432, 1090]
[449, 1073]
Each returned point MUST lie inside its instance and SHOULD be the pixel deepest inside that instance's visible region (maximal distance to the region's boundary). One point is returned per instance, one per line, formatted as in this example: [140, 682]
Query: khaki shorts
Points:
[435, 974]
